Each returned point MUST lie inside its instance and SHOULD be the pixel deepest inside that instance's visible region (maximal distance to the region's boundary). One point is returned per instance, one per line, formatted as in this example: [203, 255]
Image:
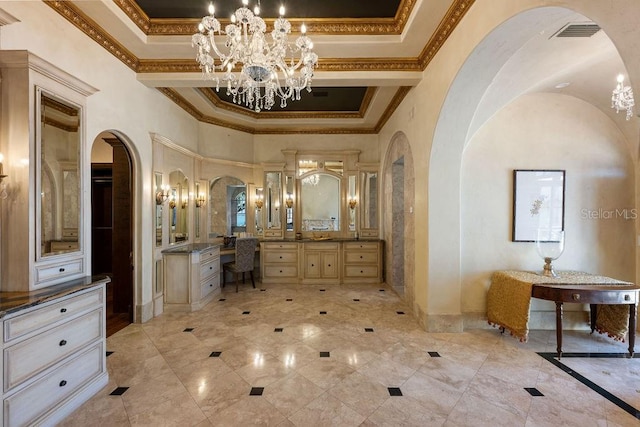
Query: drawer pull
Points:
[63, 383]
[280, 271]
[360, 256]
[361, 271]
[280, 256]
[63, 310]
[627, 297]
[312, 265]
[61, 270]
[63, 343]
[211, 285]
[576, 297]
[329, 265]
[211, 268]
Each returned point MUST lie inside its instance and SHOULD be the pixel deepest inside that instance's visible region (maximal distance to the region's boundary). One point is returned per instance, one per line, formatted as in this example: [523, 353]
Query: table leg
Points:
[593, 310]
[632, 328]
[559, 328]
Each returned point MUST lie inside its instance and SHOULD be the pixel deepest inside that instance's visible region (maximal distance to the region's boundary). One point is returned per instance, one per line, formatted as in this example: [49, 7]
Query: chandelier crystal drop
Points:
[622, 98]
[267, 68]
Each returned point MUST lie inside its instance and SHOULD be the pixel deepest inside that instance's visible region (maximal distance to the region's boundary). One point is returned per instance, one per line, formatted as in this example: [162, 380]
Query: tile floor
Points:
[288, 355]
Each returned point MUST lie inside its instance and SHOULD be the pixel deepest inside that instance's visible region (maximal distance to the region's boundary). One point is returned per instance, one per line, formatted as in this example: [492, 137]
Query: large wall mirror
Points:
[162, 192]
[59, 145]
[227, 206]
[369, 198]
[273, 195]
[178, 207]
[320, 201]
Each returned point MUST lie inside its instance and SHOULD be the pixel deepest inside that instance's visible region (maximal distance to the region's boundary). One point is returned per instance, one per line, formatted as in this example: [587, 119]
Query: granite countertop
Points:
[190, 248]
[330, 239]
[11, 302]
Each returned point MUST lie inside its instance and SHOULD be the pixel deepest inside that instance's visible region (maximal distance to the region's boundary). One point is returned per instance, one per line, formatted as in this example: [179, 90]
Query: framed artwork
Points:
[538, 203]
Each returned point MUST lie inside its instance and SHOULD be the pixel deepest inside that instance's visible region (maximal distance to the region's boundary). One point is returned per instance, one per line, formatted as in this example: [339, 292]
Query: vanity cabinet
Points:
[279, 262]
[191, 276]
[362, 262]
[321, 262]
[53, 357]
[42, 217]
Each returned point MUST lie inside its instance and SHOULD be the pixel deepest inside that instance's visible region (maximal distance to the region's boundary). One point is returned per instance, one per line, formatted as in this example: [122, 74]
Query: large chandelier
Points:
[267, 69]
[622, 97]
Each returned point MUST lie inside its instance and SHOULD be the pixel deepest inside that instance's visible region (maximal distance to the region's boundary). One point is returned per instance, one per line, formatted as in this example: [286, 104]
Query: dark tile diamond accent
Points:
[356, 299]
[222, 299]
[246, 312]
[394, 391]
[289, 299]
[278, 330]
[188, 330]
[215, 354]
[324, 354]
[109, 353]
[434, 354]
[256, 391]
[400, 312]
[323, 312]
[533, 391]
[368, 329]
[381, 290]
[322, 290]
[119, 391]
[263, 290]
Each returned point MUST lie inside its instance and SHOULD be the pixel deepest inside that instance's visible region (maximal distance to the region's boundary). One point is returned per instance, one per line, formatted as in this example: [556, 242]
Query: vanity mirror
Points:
[227, 206]
[178, 207]
[369, 200]
[59, 183]
[273, 196]
[320, 202]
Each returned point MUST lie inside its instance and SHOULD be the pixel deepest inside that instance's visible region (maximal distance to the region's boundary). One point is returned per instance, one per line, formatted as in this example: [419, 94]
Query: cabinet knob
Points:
[329, 265]
[63, 343]
[361, 271]
[61, 270]
[627, 297]
[281, 257]
[280, 271]
[360, 256]
[575, 297]
[211, 268]
[313, 265]
[63, 383]
[63, 310]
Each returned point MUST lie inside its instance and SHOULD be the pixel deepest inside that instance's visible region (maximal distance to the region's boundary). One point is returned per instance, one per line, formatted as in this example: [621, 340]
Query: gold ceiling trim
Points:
[210, 94]
[58, 124]
[450, 21]
[65, 109]
[353, 26]
[391, 108]
[88, 26]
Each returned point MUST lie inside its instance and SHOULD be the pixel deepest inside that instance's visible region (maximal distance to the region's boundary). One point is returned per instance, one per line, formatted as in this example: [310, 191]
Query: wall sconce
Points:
[200, 200]
[2, 175]
[289, 201]
[259, 198]
[185, 202]
[352, 203]
[161, 195]
[172, 201]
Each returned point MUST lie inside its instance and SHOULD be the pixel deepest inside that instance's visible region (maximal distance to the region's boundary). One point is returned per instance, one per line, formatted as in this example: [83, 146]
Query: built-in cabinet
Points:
[191, 276]
[322, 262]
[53, 357]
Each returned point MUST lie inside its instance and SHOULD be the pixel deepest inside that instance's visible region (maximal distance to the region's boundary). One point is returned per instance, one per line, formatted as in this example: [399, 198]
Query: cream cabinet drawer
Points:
[209, 269]
[24, 407]
[64, 246]
[36, 319]
[280, 257]
[280, 271]
[367, 246]
[57, 271]
[209, 286]
[361, 271]
[369, 233]
[36, 354]
[361, 257]
[273, 233]
[280, 245]
[209, 254]
[316, 246]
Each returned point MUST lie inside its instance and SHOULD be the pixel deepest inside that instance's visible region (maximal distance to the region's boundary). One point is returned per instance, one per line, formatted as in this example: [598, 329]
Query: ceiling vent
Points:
[585, 29]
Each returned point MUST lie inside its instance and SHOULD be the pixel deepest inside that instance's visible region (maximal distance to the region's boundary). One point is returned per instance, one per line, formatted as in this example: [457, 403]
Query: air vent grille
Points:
[578, 30]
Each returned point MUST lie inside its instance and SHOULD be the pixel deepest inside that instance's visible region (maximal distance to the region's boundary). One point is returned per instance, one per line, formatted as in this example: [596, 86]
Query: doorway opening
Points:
[112, 226]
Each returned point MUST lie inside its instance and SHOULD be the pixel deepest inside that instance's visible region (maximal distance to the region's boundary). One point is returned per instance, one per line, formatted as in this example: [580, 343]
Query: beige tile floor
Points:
[478, 380]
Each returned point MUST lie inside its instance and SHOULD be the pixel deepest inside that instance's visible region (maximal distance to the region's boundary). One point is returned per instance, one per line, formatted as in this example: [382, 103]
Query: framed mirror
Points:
[162, 193]
[258, 205]
[178, 207]
[58, 136]
[227, 206]
[273, 199]
[320, 202]
[288, 202]
[369, 200]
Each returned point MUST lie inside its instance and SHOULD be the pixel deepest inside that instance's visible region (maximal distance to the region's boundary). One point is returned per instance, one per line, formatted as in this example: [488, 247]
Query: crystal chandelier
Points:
[267, 69]
[622, 97]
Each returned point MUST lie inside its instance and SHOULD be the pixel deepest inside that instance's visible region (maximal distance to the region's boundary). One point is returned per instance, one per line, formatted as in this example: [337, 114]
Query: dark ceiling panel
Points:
[327, 99]
[294, 8]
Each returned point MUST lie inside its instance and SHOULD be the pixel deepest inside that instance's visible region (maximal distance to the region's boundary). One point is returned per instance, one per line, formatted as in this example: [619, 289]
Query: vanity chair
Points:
[245, 255]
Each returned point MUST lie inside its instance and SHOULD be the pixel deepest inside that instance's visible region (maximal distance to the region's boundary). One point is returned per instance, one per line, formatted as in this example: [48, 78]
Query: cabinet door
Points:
[312, 265]
[330, 265]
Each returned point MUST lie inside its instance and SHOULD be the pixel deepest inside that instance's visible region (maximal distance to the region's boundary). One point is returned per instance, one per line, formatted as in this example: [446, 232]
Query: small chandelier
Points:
[267, 69]
[622, 97]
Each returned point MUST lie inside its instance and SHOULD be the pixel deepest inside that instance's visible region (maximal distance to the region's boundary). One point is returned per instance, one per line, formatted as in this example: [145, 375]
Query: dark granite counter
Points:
[330, 239]
[11, 302]
[187, 249]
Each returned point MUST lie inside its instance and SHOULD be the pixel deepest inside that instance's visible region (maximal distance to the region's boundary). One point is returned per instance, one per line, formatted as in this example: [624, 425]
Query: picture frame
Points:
[538, 202]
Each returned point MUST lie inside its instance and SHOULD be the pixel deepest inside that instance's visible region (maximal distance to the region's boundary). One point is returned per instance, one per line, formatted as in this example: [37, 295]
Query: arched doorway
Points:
[112, 226]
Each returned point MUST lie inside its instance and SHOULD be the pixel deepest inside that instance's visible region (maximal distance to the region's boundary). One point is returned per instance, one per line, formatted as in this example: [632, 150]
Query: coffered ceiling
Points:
[370, 54]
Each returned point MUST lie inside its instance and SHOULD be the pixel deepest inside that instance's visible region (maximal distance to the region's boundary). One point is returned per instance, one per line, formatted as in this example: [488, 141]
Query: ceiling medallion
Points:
[267, 69]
